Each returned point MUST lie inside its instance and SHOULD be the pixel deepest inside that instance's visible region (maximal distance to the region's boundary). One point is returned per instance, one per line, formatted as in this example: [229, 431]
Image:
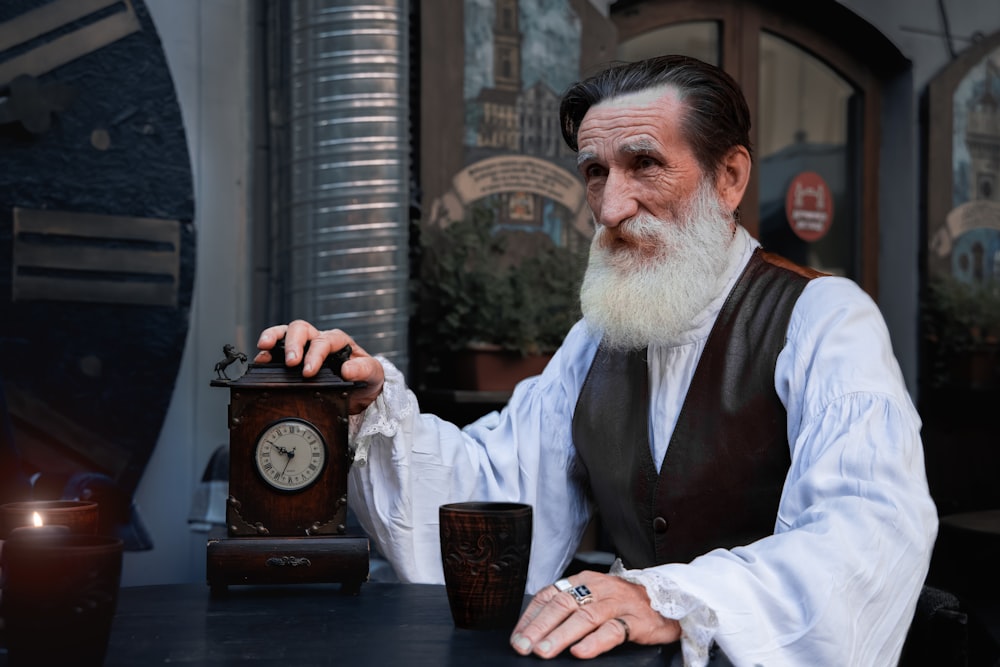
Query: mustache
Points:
[642, 228]
[644, 231]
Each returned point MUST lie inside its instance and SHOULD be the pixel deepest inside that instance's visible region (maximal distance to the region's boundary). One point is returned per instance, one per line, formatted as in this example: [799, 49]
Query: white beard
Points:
[647, 281]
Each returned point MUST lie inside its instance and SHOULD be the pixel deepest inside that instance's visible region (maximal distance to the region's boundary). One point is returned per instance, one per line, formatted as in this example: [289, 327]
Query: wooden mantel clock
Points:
[288, 462]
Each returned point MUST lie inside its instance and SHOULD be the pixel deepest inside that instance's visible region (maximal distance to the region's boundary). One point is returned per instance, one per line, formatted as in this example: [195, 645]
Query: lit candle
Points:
[38, 529]
[80, 515]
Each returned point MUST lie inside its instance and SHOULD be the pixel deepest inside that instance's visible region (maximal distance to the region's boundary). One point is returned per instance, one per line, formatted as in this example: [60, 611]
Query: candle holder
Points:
[79, 515]
[59, 597]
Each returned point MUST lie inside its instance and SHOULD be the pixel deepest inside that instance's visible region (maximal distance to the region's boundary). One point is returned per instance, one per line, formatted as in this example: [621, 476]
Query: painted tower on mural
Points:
[976, 256]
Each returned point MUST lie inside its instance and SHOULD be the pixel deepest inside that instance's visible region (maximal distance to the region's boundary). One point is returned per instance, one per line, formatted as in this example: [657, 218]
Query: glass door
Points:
[806, 156]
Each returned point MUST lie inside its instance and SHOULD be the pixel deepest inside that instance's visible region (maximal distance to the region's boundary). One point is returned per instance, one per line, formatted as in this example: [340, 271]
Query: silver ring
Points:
[624, 627]
[563, 585]
[582, 595]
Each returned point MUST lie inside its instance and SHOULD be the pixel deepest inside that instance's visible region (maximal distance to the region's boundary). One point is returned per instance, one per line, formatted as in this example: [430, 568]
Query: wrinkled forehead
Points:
[651, 116]
[657, 97]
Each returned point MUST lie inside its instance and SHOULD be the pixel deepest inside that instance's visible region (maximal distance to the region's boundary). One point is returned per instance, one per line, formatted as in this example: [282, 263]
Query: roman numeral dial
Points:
[290, 454]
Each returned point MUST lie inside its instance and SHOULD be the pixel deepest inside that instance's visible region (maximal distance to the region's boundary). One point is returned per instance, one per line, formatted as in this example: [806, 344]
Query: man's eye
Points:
[645, 162]
[593, 171]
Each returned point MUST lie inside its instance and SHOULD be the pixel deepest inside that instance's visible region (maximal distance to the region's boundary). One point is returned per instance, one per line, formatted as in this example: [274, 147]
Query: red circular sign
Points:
[809, 206]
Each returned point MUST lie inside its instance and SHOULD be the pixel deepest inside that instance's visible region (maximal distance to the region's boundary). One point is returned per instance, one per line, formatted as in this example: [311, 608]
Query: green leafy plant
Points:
[479, 286]
[962, 327]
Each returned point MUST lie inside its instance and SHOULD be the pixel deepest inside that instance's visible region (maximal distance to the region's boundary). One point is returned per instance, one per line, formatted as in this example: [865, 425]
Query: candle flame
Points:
[36, 518]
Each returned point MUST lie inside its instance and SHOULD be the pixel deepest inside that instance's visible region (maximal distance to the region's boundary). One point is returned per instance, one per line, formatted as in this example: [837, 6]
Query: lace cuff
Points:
[698, 623]
[383, 417]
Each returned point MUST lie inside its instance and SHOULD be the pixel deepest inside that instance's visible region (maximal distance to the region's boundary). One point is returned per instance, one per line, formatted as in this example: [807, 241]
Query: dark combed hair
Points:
[716, 118]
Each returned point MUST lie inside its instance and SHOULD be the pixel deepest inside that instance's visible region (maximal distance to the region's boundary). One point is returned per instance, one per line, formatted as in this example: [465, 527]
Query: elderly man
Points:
[739, 422]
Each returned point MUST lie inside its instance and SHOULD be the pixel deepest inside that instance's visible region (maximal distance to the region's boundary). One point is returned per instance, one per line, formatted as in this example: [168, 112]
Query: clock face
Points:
[290, 454]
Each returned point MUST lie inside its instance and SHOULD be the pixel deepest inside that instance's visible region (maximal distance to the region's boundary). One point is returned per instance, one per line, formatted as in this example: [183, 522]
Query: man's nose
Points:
[618, 201]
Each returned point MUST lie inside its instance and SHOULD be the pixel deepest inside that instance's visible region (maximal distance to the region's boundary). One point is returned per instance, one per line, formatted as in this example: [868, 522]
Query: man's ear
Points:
[733, 176]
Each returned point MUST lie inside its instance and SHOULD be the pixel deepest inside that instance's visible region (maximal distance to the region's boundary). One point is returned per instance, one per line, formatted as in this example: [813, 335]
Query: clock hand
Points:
[290, 453]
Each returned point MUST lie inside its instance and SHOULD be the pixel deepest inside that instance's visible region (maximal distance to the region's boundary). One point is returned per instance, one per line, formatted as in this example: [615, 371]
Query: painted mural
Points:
[961, 309]
[519, 57]
[970, 237]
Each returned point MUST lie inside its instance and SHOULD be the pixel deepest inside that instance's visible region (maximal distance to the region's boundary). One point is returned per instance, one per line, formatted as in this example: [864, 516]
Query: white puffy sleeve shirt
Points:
[838, 580]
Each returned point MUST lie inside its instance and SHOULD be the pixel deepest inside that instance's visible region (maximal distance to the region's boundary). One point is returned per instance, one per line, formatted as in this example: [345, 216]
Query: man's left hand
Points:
[616, 611]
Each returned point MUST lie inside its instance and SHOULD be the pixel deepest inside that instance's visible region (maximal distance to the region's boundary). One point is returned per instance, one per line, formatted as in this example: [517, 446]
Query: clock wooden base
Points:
[288, 560]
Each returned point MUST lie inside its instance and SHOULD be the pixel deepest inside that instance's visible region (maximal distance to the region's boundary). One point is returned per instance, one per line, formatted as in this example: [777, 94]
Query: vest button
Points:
[660, 525]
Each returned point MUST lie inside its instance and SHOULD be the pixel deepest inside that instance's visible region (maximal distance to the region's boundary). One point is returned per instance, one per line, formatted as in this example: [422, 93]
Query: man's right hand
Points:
[361, 367]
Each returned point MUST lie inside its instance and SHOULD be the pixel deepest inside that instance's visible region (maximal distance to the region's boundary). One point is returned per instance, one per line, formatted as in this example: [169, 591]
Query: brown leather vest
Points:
[726, 463]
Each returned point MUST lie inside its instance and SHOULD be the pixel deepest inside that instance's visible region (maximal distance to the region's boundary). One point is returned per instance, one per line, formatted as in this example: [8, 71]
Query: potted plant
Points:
[479, 289]
[962, 331]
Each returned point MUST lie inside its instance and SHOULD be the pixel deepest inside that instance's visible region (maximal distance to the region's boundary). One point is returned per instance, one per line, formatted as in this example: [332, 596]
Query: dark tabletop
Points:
[301, 626]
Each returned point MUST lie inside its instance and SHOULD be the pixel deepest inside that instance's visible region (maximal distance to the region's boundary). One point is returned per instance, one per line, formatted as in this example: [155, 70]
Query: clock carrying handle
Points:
[333, 361]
